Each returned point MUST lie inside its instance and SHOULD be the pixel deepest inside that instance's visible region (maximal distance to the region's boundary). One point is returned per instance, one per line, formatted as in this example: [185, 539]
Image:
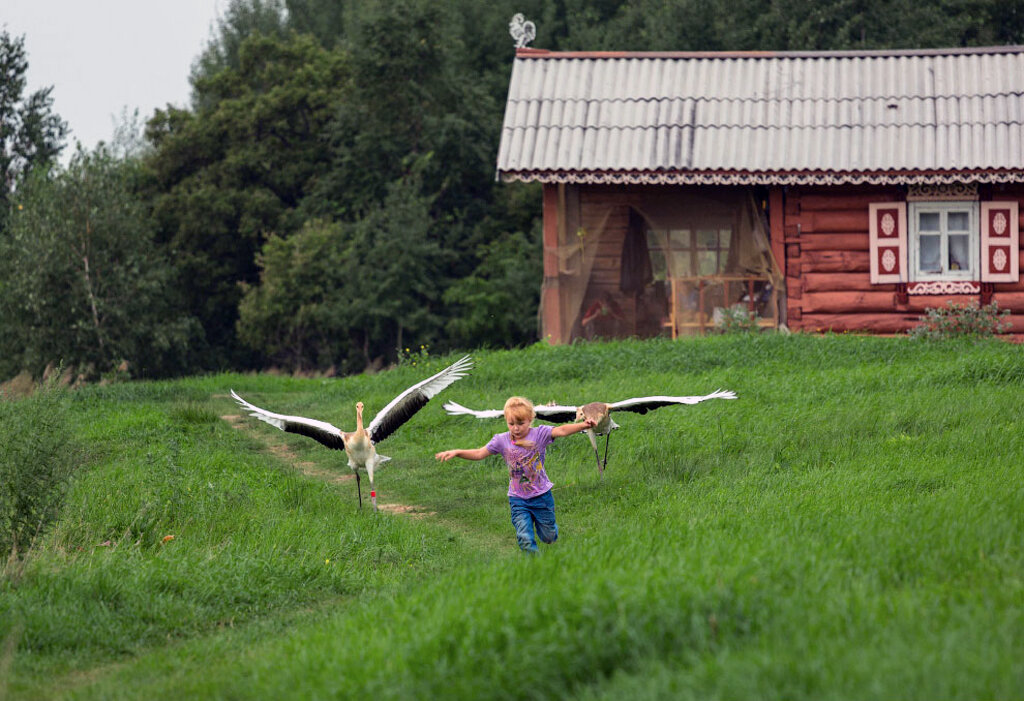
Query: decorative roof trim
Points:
[760, 178]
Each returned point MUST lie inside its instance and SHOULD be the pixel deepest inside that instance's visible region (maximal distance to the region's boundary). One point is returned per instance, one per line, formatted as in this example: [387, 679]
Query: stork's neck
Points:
[359, 417]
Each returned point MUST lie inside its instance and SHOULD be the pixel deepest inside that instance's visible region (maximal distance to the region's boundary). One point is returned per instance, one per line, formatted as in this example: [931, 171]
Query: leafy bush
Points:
[735, 319]
[961, 321]
[37, 457]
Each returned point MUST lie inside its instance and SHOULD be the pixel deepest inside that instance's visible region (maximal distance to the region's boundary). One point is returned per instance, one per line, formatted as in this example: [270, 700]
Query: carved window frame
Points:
[943, 207]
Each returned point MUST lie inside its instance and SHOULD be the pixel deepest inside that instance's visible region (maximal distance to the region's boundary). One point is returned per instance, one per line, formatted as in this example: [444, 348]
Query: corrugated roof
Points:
[876, 116]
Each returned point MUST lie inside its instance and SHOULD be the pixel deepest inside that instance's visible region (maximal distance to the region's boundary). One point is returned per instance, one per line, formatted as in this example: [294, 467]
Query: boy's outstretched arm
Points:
[476, 454]
[569, 429]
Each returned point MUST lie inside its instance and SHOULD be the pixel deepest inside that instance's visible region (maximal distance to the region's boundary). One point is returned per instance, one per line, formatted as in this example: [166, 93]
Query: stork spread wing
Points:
[547, 412]
[456, 409]
[556, 413]
[321, 431]
[415, 398]
[641, 405]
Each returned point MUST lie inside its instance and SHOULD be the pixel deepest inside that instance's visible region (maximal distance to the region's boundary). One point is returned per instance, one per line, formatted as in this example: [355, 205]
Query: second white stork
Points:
[600, 412]
[360, 445]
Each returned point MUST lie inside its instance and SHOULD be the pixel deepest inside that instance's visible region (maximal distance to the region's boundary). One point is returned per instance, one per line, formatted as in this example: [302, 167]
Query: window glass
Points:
[658, 264]
[931, 254]
[707, 238]
[930, 221]
[708, 262]
[959, 258]
[959, 221]
[681, 264]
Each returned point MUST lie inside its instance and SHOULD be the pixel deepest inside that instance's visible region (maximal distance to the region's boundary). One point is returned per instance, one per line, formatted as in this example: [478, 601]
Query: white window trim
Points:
[973, 271]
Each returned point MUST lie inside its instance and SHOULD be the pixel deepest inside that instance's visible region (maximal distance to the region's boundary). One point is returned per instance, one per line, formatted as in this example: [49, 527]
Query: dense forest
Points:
[328, 199]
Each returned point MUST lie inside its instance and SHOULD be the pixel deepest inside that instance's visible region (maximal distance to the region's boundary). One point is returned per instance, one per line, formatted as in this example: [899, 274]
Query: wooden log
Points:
[835, 242]
[1016, 324]
[920, 304]
[1013, 301]
[794, 287]
[873, 323]
[606, 263]
[606, 278]
[836, 261]
[839, 221]
[871, 301]
[829, 202]
[841, 281]
[848, 302]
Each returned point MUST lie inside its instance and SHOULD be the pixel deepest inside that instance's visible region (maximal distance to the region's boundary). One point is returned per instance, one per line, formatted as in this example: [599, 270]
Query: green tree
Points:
[83, 282]
[242, 19]
[497, 305]
[300, 313]
[31, 134]
[348, 293]
[226, 176]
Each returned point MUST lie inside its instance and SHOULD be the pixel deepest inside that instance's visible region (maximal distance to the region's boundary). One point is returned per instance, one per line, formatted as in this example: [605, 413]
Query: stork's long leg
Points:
[359, 490]
[373, 496]
[607, 439]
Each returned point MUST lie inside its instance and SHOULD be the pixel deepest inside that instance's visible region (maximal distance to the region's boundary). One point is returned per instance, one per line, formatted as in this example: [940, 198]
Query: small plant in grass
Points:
[413, 357]
[734, 320]
[961, 321]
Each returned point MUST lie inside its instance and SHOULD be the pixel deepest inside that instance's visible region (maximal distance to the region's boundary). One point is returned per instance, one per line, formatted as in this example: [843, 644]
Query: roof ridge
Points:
[776, 127]
[770, 98]
[533, 53]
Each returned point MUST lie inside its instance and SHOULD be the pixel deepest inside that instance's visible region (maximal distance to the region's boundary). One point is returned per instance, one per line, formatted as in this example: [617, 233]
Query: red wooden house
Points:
[818, 190]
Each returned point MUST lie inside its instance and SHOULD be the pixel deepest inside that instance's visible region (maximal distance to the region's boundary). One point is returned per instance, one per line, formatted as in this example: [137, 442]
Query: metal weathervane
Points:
[522, 30]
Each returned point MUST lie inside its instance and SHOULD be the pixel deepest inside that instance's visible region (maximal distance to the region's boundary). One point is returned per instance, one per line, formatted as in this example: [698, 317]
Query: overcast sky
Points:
[102, 56]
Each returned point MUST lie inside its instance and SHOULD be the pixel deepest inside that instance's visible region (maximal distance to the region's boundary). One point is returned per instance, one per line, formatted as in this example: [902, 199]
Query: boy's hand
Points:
[590, 423]
[445, 455]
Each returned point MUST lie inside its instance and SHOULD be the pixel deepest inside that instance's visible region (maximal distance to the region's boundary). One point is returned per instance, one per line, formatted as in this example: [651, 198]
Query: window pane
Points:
[707, 238]
[958, 256]
[929, 221]
[680, 264]
[658, 264]
[930, 260]
[724, 238]
[680, 238]
[958, 221]
[708, 262]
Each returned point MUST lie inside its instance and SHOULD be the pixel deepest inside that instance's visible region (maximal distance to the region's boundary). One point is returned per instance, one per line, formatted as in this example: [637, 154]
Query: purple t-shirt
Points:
[526, 475]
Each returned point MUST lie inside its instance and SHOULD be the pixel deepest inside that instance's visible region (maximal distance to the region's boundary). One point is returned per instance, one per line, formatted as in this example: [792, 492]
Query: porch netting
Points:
[646, 264]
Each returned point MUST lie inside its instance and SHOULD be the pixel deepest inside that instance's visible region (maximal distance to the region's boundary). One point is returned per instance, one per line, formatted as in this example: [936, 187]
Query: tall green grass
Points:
[37, 458]
[850, 527]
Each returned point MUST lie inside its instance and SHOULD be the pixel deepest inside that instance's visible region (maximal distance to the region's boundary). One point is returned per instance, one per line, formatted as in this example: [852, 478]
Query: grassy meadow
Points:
[852, 527]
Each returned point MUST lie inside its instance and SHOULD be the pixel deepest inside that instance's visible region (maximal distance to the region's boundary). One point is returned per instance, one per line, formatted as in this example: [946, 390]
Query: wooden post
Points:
[551, 302]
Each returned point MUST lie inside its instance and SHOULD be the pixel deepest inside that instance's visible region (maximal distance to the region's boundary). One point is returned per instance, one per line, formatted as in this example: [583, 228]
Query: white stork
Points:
[600, 412]
[360, 445]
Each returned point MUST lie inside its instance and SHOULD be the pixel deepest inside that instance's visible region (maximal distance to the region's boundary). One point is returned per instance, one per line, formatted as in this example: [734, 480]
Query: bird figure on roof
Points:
[598, 412]
[360, 445]
[522, 30]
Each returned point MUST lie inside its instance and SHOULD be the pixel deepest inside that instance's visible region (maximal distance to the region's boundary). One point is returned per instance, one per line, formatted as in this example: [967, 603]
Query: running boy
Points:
[529, 489]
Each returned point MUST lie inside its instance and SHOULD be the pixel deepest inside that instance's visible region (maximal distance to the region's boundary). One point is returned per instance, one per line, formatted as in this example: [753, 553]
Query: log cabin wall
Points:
[826, 248]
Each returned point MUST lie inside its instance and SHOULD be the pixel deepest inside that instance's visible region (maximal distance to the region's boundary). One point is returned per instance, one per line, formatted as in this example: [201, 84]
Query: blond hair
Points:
[520, 408]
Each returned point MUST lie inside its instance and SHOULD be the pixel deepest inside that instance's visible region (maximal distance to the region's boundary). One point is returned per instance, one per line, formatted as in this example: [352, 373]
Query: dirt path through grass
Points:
[311, 469]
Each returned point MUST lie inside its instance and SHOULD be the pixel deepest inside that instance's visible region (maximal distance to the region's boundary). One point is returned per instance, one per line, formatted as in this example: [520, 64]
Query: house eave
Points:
[627, 177]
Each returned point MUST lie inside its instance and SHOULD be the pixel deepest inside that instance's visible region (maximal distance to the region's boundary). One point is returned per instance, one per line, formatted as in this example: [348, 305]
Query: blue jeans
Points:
[539, 513]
